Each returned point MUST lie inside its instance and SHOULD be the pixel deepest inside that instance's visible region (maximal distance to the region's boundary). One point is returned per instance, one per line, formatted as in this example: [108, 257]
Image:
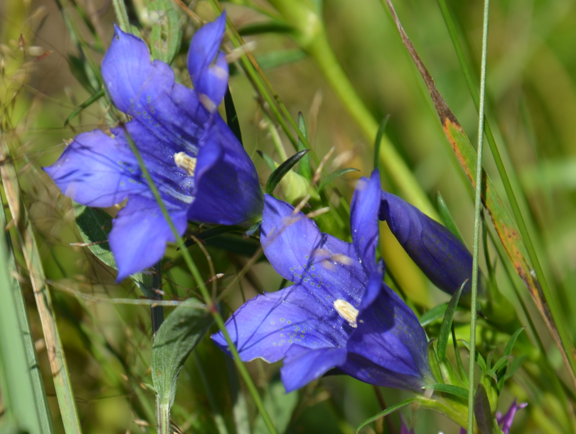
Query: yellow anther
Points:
[186, 162]
[347, 311]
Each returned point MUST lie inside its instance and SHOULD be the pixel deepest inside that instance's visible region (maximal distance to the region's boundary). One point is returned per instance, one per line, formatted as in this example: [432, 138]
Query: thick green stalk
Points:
[477, 220]
[203, 290]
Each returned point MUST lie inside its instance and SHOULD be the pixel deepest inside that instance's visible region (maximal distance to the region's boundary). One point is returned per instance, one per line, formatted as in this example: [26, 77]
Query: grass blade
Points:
[56, 357]
[24, 394]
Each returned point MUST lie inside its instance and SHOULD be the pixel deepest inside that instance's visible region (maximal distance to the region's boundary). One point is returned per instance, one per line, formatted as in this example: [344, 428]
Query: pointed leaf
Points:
[232, 116]
[282, 170]
[175, 340]
[94, 226]
[384, 413]
[166, 31]
[272, 26]
[512, 341]
[447, 217]
[334, 175]
[448, 388]
[446, 326]
[268, 160]
[304, 168]
[84, 105]
[482, 411]
[433, 362]
[433, 314]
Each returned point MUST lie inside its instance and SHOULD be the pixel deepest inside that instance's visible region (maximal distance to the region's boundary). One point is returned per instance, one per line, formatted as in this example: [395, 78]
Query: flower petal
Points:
[268, 325]
[125, 67]
[140, 233]
[440, 255]
[505, 421]
[389, 347]
[227, 188]
[364, 219]
[207, 64]
[97, 170]
[299, 252]
[304, 366]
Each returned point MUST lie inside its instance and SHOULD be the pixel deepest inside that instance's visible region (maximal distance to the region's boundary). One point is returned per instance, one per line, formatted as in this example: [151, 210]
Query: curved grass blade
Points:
[447, 218]
[304, 168]
[84, 105]
[334, 175]
[232, 116]
[384, 413]
[512, 233]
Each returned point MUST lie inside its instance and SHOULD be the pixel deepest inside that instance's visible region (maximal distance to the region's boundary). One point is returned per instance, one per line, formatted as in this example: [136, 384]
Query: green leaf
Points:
[232, 116]
[177, 337]
[433, 314]
[282, 170]
[94, 226]
[479, 359]
[166, 31]
[273, 26]
[447, 218]
[446, 326]
[276, 59]
[482, 411]
[268, 160]
[78, 68]
[514, 366]
[230, 243]
[378, 140]
[304, 167]
[512, 341]
[448, 388]
[216, 231]
[336, 174]
[385, 413]
[23, 394]
[85, 104]
[433, 362]
[280, 406]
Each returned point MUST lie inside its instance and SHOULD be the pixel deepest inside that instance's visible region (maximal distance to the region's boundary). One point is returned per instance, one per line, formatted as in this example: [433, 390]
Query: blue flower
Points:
[438, 253]
[339, 313]
[198, 165]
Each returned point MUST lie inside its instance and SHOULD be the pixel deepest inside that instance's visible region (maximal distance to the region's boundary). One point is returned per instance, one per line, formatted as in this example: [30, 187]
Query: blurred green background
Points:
[531, 107]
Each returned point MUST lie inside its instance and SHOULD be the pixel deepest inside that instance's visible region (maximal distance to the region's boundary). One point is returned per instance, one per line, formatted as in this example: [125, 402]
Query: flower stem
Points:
[203, 290]
[477, 210]
[163, 417]
[121, 15]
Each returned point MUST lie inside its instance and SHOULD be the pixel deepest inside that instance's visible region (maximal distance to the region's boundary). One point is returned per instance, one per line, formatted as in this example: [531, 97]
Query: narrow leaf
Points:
[447, 218]
[446, 326]
[512, 341]
[433, 362]
[273, 26]
[268, 160]
[433, 314]
[84, 105]
[385, 413]
[448, 388]
[282, 170]
[336, 174]
[482, 411]
[378, 141]
[304, 168]
[177, 337]
[166, 31]
[232, 116]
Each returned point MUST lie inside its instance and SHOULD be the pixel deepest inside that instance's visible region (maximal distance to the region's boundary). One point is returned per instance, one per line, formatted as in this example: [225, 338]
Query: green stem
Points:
[121, 15]
[477, 217]
[163, 418]
[556, 317]
[203, 290]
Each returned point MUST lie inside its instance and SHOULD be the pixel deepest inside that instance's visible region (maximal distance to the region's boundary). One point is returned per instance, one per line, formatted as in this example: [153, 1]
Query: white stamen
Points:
[347, 311]
[186, 162]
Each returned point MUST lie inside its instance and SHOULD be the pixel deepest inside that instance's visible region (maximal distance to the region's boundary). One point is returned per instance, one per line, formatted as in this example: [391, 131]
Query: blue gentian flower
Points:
[339, 313]
[439, 253]
[200, 168]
